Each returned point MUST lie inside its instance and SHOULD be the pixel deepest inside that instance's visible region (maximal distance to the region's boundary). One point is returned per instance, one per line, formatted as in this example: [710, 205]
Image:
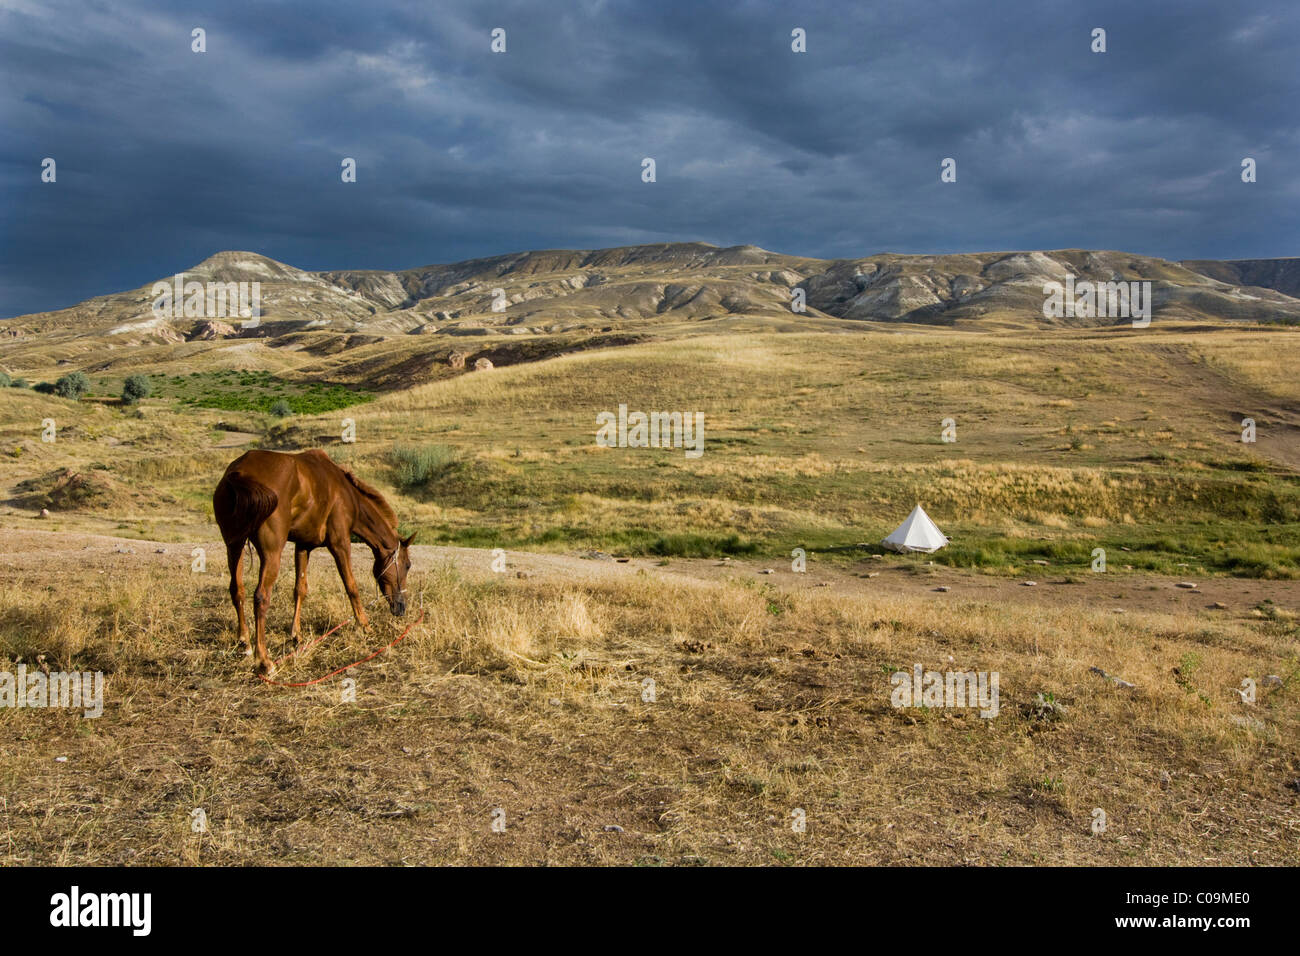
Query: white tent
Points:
[917, 533]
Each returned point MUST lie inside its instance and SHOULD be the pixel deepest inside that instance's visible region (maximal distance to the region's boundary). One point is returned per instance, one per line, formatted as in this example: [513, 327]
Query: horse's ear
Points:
[406, 542]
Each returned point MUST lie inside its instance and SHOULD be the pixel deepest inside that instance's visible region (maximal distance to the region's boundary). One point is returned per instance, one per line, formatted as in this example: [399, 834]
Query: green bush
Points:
[135, 388]
[281, 409]
[5, 381]
[72, 386]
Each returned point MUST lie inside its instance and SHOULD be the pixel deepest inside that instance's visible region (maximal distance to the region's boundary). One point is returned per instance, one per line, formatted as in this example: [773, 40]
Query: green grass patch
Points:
[416, 466]
[257, 391]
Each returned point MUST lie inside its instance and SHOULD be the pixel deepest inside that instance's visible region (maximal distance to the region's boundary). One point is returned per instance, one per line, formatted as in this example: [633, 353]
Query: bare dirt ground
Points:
[912, 575]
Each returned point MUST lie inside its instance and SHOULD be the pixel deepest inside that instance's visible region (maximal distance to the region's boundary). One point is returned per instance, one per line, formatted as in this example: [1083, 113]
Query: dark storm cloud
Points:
[166, 156]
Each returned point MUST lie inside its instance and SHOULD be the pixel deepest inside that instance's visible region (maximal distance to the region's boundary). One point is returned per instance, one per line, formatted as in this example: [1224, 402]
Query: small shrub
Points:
[135, 388]
[1047, 708]
[281, 409]
[72, 386]
[417, 465]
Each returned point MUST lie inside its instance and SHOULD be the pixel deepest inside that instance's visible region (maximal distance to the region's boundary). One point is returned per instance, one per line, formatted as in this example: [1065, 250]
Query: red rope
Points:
[309, 683]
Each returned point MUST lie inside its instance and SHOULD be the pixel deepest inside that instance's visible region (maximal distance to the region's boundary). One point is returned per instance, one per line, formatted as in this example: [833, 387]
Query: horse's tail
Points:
[241, 504]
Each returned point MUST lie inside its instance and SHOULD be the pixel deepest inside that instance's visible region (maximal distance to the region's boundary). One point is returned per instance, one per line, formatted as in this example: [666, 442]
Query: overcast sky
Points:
[165, 156]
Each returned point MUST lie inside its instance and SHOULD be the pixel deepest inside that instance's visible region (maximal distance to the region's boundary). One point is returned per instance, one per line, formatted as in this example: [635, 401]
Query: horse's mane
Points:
[382, 506]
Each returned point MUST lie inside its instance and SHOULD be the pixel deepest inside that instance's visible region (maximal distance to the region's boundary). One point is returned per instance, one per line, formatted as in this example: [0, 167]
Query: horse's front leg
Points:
[301, 556]
[343, 560]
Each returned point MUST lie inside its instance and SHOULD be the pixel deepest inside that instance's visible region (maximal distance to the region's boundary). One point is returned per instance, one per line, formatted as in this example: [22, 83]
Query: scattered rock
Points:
[1218, 606]
[942, 587]
[482, 365]
[1037, 561]
[613, 828]
[1118, 682]
[1030, 584]
[45, 512]
[1190, 585]
[1272, 680]
[767, 571]
[457, 360]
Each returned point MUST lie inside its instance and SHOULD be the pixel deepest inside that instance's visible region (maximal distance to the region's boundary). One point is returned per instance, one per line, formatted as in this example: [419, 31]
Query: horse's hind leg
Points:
[261, 601]
[235, 557]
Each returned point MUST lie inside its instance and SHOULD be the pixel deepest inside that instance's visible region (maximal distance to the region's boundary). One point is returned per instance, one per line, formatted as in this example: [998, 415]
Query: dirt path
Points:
[1231, 399]
[24, 552]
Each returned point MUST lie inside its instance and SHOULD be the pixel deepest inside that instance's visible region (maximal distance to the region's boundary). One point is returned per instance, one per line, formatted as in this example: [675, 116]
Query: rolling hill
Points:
[390, 329]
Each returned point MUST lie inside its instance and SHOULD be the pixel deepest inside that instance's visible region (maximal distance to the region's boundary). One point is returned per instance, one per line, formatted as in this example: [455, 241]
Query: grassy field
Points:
[523, 692]
[1063, 444]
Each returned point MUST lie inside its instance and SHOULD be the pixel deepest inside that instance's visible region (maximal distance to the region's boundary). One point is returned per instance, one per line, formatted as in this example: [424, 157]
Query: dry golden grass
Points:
[526, 695]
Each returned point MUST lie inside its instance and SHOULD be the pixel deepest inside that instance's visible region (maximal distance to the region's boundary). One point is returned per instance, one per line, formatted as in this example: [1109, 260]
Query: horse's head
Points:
[390, 574]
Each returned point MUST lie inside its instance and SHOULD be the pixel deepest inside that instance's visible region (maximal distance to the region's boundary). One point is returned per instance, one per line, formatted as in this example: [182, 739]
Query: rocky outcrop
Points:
[211, 329]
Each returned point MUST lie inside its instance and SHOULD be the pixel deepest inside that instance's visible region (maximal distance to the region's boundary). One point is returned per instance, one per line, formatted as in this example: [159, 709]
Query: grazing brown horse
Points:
[268, 498]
